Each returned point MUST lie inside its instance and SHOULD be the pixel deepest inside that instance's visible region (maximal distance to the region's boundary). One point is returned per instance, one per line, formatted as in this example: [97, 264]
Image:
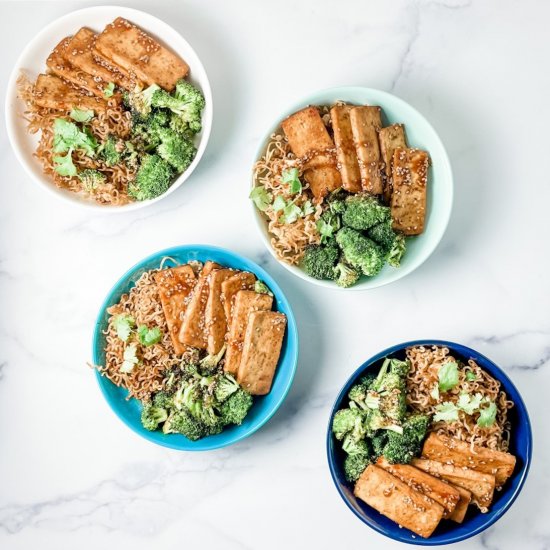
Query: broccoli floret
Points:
[363, 212]
[336, 201]
[261, 288]
[360, 252]
[186, 424]
[226, 385]
[175, 150]
[396, 251]
[378, 442]
[402, 448]
[140, 101]
[319, 260]
[154, 177]
[236, 407]
[345, 275]
[163, 399]
[152, 416]
[383, 234]
[353, 446]
[110, 152]
[354, 466]
[91, 179]
[210, 363]
[390, 387]
[344, 422]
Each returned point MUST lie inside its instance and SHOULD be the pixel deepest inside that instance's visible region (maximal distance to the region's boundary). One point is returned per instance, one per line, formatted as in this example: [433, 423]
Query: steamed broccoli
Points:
[391, 242]
[378, 442]
[390, 386]
[163, 400]
[354, 446]
[210, 363]
[359, 251]
[236, 407]
[175, 150]
[319, 260]
[402, 448]
[345, 421]
[154, 177]
[186, 424]
[140, 101]
[152, 416]
[396, 251]
[226, 385]
[91, 179]
[363, 212]
[110, 151]
[345, 275]
[354, 466]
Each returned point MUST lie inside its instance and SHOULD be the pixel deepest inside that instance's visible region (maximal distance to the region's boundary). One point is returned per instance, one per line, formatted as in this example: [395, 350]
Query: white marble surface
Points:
[71, 474]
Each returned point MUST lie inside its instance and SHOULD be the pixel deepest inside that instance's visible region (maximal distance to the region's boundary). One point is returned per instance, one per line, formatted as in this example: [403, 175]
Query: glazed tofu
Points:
[193, 327]
[396, 500]
[408, 201]
[345, 148]
[420, 481]
[390, 138]
[79, 53]
[309, 140]
[138, 53]
[216, 322]
[246, 302]
[459, 513]
[53, 93]
[175, 285]
[365, 123]
[482, 486]
[262, 345]
[448, 449]
[242, 280]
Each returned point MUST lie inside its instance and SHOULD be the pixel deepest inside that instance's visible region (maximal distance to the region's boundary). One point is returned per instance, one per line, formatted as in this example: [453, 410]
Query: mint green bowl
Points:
[420, 134]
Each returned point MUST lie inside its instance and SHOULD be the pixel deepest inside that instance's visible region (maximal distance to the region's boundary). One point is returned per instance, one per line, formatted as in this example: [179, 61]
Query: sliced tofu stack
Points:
[53, 93]
[390, 138]
[127, 46]
[365, 123]
[451, 450]
[174, 287]
[482, 486]
[410, 179]
[262, 345]
[345, 148]
[309, 141]
[241, 280]
[459, 513]
[216, 322]
[398, 501]
[193, 327]
[246, 302]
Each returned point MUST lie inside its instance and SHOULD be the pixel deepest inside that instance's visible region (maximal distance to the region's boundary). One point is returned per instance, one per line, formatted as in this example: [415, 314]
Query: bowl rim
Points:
[43, 182]
[493, 518]
[260, 273]
[260, 221]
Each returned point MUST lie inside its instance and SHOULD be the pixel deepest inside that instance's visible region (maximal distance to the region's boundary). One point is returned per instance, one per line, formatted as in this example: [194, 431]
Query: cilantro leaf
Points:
[470, 376]
[447, 412]
[64, 166]
[123, 325]
[109, 90]
[487, 415]
[260, 197]
[307, 209]
[469, 403]
[435, 393]
[279, 203]
[448, 376]
[68, 136]
[149, 336]
[291, 177]
[325, 230]
[130, 359]
[81, 115]
[291, 213]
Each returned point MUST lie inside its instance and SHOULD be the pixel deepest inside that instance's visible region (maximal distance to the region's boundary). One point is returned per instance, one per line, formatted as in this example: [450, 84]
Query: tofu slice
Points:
[365, 123]
[193, 326]
[397, 501]
[309, 140]
[459, 513]
[390, 138]
[451, 450]
[262, 345]
[175, 285]
[79, 53]
[138, 53]
[246, 302]
[345, 148]
[482, 486]
[216, 322]
[53, 93]
[241, 280]
[410, 180]
[438, 490]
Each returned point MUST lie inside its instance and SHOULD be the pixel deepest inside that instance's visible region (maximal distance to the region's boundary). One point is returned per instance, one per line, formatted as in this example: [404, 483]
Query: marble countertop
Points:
[73, 476]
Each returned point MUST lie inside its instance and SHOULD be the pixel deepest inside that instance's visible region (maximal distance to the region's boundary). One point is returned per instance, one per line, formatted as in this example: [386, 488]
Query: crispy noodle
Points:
[423, 377]
[114, 121]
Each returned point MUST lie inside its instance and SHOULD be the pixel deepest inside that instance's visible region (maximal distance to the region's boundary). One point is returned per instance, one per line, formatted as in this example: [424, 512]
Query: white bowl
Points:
[33, 61]
[420, 134]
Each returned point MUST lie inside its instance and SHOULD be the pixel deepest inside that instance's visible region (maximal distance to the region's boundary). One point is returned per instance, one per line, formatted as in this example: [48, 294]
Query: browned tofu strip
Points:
[451, 450]
[246, 302]
[242, 280]
[216, 322]
[345, 148]
[309, 140]
[482, 486]
[365, 123]
[408, 201]
[79, 53]
[396, 500]
[262, 345]
[193, 326]
[174, 287]
[138, 53]
[459, 512]
[53, 93]
[390, 138]
[424, 483]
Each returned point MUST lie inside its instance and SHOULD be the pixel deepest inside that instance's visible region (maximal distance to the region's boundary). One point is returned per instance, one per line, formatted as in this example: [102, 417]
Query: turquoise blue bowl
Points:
[264, 407]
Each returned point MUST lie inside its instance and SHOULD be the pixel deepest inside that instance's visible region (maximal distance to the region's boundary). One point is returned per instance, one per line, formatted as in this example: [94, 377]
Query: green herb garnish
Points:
[487, 415]
[149, 336]
[448, 376]
[261, 198]
[447, 412]
[123, 325]
[325, 230]
[130, 359]
[291, 213]
[81, 115]
[469, 403]
[470, 376]
[64, 166]
[109, 90]
[67, 136]
[291, 178]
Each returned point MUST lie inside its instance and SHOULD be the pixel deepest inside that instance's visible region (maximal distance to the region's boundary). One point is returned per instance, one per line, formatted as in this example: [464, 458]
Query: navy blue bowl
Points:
[475, 522]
